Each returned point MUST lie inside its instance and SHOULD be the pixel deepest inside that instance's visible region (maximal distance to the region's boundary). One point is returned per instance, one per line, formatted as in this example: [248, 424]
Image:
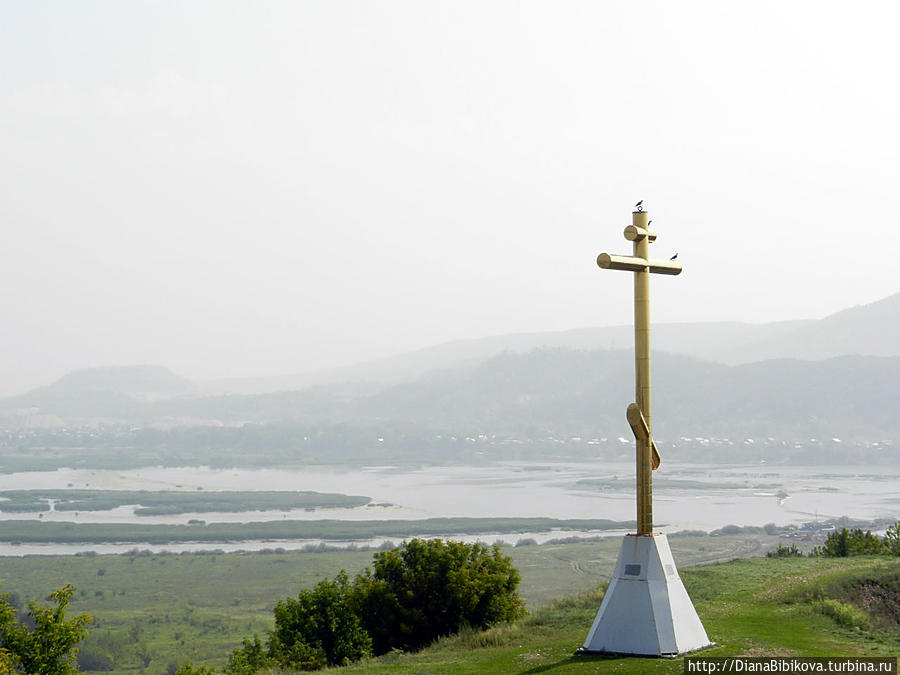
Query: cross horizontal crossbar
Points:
[633, 264]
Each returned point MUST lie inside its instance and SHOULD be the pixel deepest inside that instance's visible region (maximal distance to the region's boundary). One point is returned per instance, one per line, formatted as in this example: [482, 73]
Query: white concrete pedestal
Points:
[646, 610]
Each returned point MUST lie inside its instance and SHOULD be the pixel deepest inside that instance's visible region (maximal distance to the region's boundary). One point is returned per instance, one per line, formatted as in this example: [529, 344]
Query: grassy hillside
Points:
[169, 608]
[752, 607]
[153, 611]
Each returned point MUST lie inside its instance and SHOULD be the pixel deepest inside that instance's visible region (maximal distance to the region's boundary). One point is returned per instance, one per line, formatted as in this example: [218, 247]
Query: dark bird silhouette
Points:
[638, 205]
[673, 257]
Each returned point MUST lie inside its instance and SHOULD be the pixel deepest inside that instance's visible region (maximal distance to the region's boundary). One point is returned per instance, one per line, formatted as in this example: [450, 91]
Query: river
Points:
[685, 496]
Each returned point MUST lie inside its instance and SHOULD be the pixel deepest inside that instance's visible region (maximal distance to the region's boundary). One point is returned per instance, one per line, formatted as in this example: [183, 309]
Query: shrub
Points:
[415, 594]
[423, 590]
[688, 533]
[785, 552]
[249, 658]
[495, 636]
[190, 669]
[319, 625]
[844, 614]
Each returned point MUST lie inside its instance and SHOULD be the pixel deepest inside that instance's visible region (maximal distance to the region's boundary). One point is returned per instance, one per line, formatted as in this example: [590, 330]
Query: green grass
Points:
[749, 608]
[199, 607]
[170, 608]
[174, 607]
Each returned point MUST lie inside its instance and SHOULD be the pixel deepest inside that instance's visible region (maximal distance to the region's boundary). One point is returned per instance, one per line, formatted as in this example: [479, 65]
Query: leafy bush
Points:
[317, 629]
[320, 625]
[426, 589]
[249, 658]
[785, 552]
[415, 594]
[190, 669]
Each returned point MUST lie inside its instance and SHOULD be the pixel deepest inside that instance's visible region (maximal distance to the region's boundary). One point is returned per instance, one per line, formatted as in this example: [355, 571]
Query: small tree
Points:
[851, 542]
[892, 539]
[836, 545]
[423, 590]
[865, 543]
[319, 627]
[51, 646]
[249, 658]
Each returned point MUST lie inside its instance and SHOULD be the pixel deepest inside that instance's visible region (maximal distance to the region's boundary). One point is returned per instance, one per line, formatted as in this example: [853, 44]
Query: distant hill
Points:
[109, 393]
[869, 330]
[712, 341]
[558, 393]
[138, 381]
[580, 393]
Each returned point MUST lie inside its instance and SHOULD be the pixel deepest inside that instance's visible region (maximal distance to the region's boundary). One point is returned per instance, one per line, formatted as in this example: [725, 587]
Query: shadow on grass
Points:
[570, 660]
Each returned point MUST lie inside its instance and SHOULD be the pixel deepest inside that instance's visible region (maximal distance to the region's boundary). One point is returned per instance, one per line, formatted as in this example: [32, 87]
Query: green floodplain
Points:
[30, 531]
[172, 502]
[155, 611]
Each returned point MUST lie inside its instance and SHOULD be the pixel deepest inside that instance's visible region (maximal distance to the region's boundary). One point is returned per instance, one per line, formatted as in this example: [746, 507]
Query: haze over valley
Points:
[526, 426]
[827, 394]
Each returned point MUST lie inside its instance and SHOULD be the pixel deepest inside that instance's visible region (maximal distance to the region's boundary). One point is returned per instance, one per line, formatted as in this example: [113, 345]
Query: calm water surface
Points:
[685, 496]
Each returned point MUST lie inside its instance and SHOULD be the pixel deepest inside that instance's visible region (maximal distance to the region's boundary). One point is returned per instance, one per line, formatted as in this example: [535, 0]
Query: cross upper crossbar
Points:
[633, 264]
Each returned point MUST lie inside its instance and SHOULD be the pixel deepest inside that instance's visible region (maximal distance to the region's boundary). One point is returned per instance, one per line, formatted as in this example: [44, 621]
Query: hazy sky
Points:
[256, 188]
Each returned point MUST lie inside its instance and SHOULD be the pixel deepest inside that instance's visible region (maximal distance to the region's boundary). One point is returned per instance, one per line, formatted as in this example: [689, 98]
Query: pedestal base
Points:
[646, 610]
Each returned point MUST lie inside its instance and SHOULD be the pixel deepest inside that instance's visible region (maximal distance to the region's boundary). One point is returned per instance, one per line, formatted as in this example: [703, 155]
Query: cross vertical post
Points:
[644, 485]
[646, 610]
[647, 457]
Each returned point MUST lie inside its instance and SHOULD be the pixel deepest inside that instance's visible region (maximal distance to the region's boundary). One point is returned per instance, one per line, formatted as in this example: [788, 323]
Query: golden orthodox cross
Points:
[638, 413]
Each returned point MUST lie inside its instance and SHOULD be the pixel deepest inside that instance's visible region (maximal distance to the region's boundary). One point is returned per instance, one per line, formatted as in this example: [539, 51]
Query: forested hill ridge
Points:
[866, 330]
[560, 393]
[525, 394]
